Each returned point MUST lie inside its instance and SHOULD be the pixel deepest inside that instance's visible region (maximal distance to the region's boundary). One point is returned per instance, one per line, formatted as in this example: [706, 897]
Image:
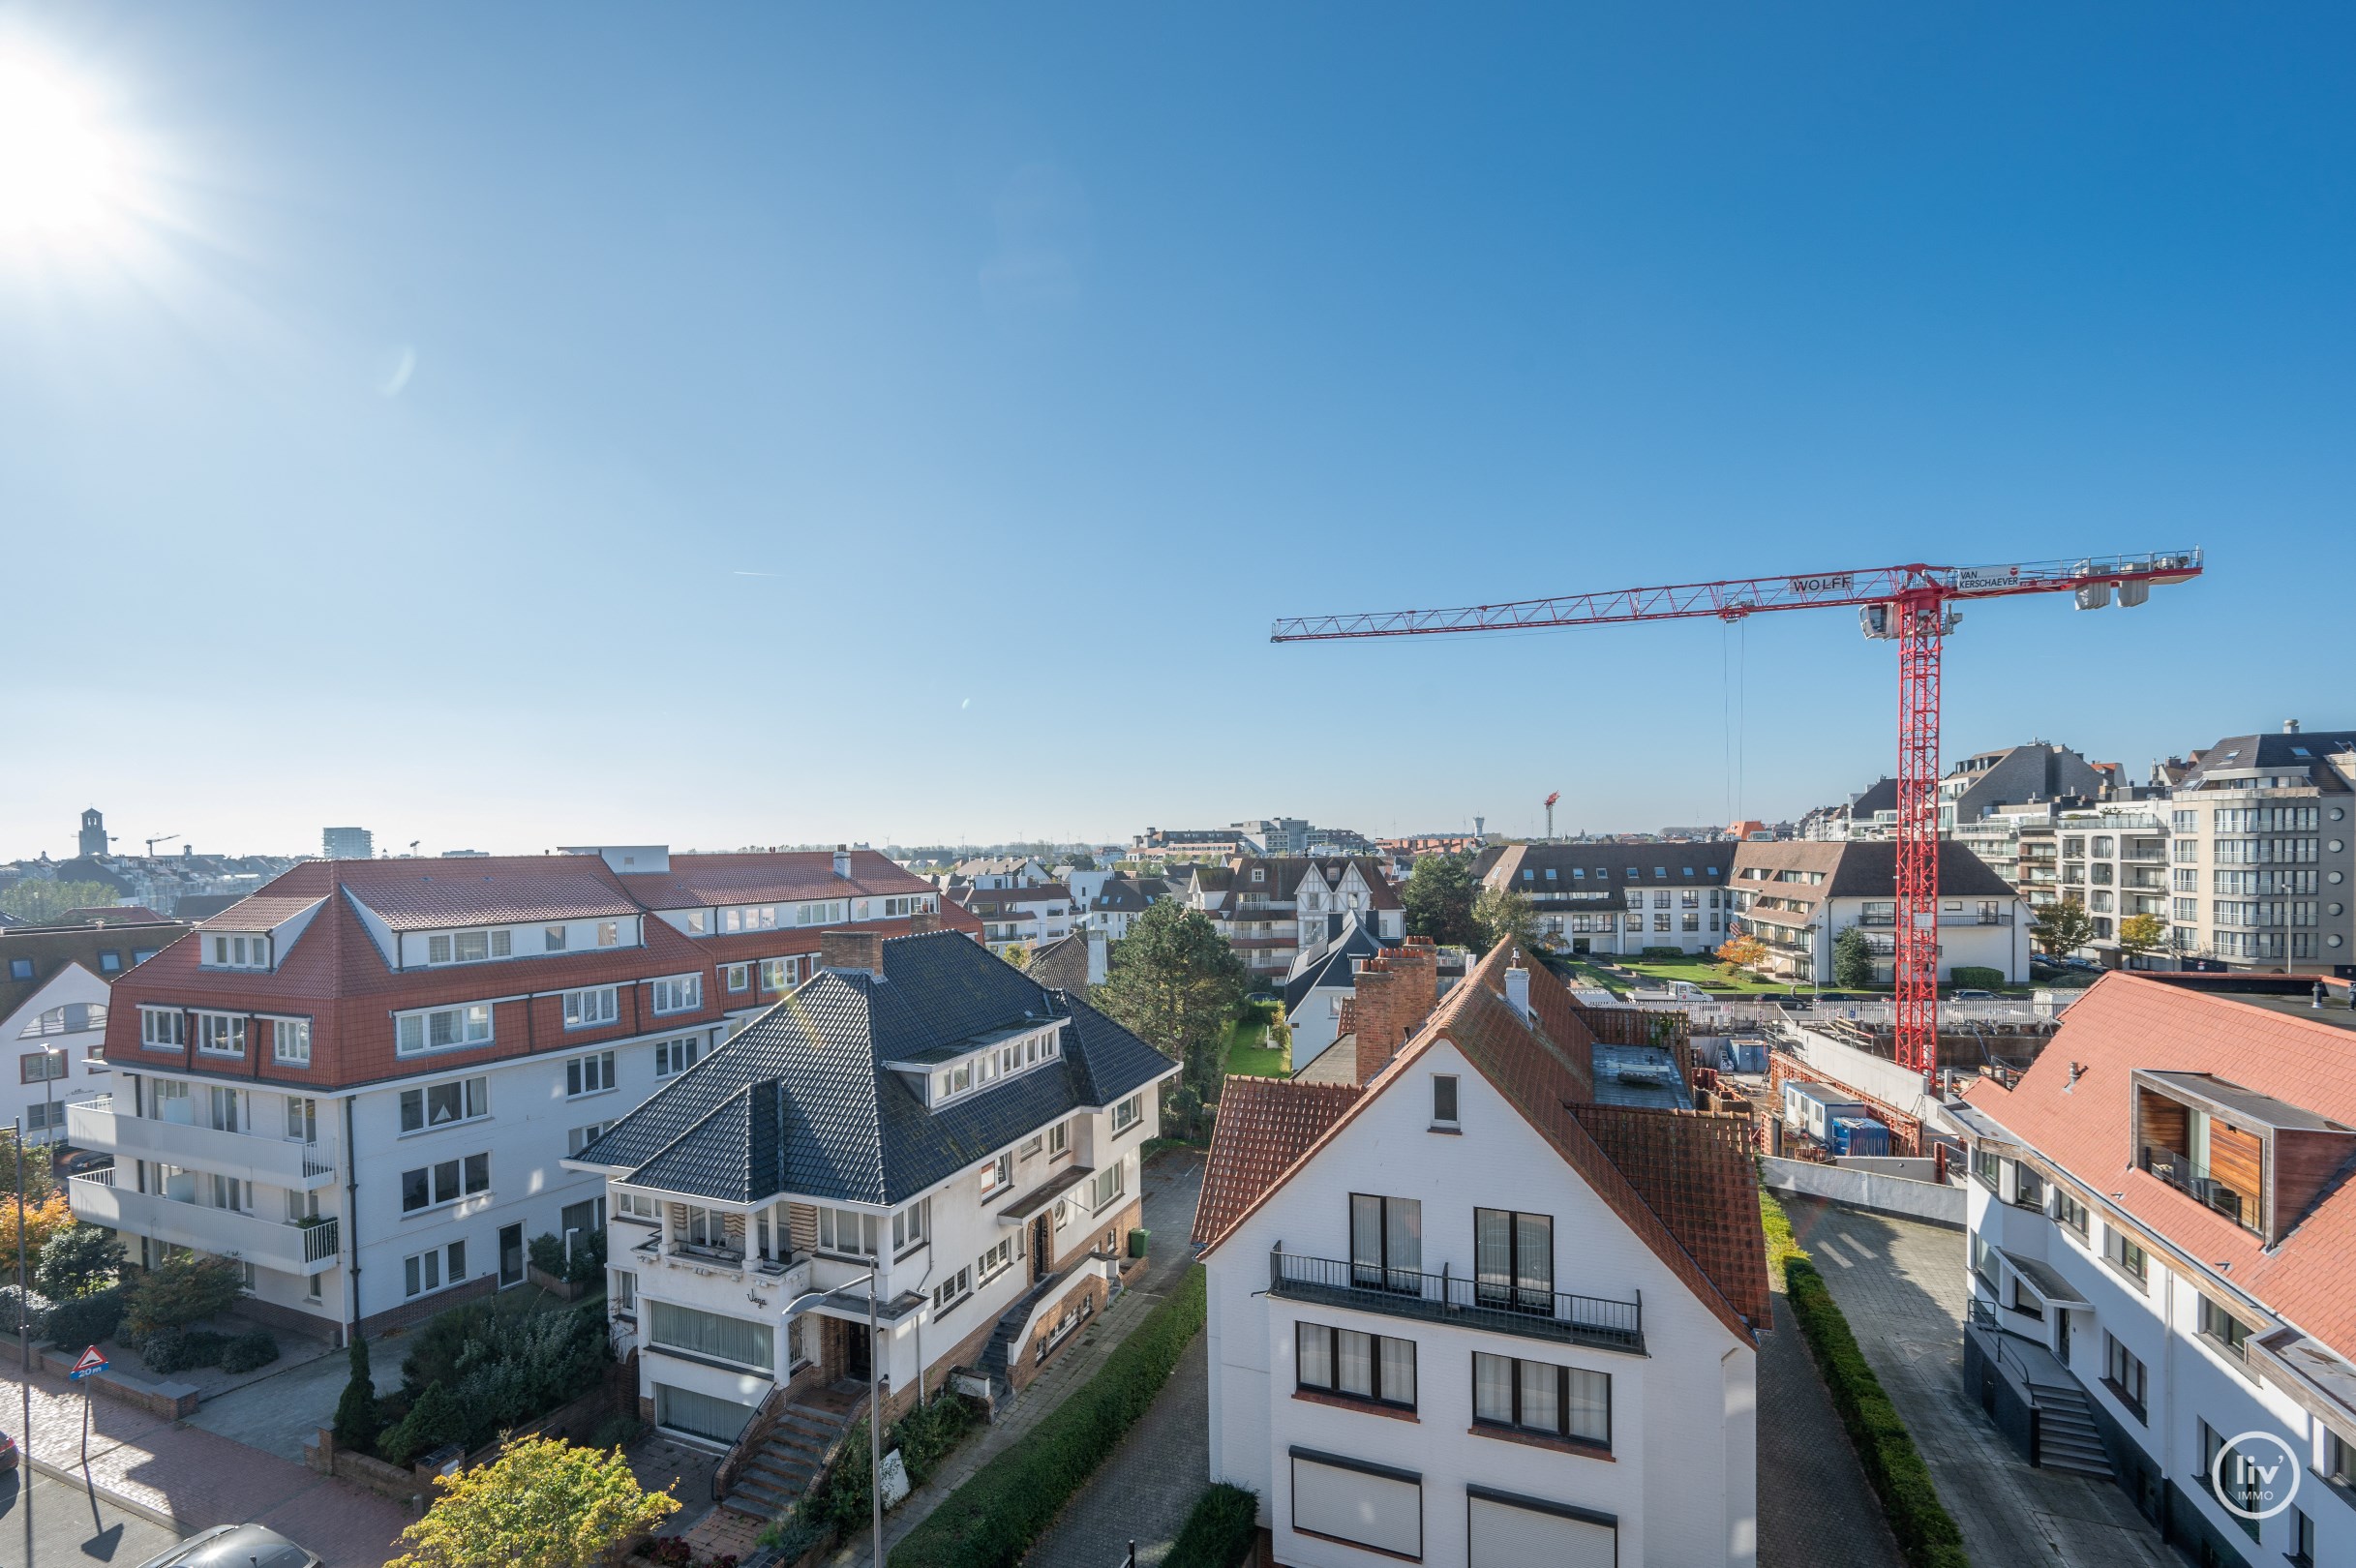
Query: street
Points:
[71, 1527]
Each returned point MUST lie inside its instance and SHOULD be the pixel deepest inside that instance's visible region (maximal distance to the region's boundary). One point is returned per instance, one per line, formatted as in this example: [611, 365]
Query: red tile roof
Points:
[260, 912]
[2125, 1022]
[708, 881]
[1688, 1191]
[1264, 1126]
[420, 895]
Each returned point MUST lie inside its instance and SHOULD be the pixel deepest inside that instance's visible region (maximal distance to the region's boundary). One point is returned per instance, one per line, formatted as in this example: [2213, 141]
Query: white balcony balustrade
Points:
[305, 1249]
[254, 1157]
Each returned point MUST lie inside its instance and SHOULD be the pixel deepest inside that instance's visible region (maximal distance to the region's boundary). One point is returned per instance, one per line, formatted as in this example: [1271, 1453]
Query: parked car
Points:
[8, 1452]
[1974, 996]
[236, 1545]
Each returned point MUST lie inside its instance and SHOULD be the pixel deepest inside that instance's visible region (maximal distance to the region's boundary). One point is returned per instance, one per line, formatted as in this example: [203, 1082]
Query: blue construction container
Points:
[1857, 1135]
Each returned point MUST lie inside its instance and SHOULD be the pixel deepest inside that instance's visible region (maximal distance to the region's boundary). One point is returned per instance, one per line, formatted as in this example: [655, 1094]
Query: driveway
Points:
[1816, 1508]
[1901, 1285]
[280, 1413]
[71, 1525]
[1145, 1491]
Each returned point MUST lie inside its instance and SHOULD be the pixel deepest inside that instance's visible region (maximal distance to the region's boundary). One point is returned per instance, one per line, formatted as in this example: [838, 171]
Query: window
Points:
[846, 1231]
[2338, 1459]
[290, 1042]
[2028, 1189]
[2302, 1539]
[2124, 1374]
[444, 1029]
[2126, 1256]
[466, 947]
[42, 1066]
[229, 953]
[996, 1261]
[1059, 1140]
[680, 993]
[2070, 1213]
[1106, 1186]
[1361, 1366]
[1444, 1099]
[1987, 1167]
[951, 1291]
[1128, 1114]
[676, 1056]
[440, 1104]
[738, 1340]
[433, 1269]
[2242, 1483]
[998, 1175]
[42, 1115]
[221, 1034]
[609, 933]
[911, 1225]
[739, 976]
[1030, 1148]
[446, 1180]
[1514, 1260]
[162, 1026]
[303, 1124]
[1386, 1243]
[625, 1291]
[778, 974]
[589, 1075]
[701, 1227]
[2225, 1331]
[586, 1010]
[1534, 1396]
[552, 939]
[20, 969]
[580, 1137]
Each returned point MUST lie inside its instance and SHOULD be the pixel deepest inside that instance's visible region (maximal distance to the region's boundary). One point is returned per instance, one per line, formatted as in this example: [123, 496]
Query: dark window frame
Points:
[1332, 1334]
[1562, 1403]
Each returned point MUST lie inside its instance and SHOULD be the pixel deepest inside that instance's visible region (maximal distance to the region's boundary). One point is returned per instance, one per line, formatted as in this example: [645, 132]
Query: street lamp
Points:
[875, 1400]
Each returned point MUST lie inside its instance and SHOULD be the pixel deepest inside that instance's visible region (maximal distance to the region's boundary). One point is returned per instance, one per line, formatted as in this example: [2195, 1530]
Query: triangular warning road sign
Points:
[90, 1362]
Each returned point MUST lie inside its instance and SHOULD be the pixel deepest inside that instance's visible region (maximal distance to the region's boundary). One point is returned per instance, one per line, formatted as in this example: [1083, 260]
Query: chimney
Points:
[923, 920]
[851, 953]
[1395, 994]
[1517, 990]
[2290, 726]
[1097, 961]
[842, 861]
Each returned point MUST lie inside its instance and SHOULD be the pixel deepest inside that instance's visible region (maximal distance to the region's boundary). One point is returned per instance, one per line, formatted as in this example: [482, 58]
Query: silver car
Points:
[236, 1545]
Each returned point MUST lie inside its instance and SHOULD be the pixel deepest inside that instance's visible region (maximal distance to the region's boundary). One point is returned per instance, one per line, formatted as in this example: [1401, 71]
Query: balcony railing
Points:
[275, 1162]
[1444, 1297]
[307, 1247]
[2187, 1176]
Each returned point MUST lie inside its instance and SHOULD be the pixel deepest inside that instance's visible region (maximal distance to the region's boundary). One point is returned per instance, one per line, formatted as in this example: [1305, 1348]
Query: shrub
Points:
[438, 1343]
[433, 1421]
[992, 1519]
[172, 1350]
[587, 1266]
[1218, 1532]
[246, 1351]
[548, 1255]
[792, 1536]
[77, 1261]
[1978, 976]
[87, 1319]
[924, 1436]
[35, 1306]
[183, 1291]
[1927, 1532]
[358, 1419]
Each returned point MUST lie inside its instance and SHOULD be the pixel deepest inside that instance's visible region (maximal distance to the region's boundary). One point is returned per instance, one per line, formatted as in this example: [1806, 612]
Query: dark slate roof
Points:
[1061, 964]
[799, 1101]
[1330, 964]
[2296, 751]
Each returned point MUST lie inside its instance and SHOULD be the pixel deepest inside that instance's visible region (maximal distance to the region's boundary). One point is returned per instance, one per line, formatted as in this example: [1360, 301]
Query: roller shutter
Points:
[1369, 1505]
[1513, 1532]
[703, 1415]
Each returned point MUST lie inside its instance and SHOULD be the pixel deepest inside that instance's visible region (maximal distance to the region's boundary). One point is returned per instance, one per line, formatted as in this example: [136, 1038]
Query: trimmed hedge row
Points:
[991, 1521]
[1219, 1532]
[1927, 1532]
[1981, 976]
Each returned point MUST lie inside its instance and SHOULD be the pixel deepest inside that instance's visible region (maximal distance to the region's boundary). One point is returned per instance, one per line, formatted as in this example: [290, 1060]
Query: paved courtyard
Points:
[1901, 1285]
[1816, 1508]
[1147, 1487]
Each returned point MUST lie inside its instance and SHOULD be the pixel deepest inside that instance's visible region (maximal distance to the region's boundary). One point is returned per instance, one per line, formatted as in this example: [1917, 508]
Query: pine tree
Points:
[357, 1420]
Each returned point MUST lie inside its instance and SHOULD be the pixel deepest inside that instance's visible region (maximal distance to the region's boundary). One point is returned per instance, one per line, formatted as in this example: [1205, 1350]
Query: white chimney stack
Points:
[1517, 990]
[842, 861]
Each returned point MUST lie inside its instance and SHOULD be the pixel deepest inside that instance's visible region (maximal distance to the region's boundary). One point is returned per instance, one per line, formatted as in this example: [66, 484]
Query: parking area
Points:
[70, 1526]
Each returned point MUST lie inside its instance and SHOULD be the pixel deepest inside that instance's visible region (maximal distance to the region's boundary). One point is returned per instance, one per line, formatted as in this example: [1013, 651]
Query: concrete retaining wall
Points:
[175, 1402]
[1868, 1190]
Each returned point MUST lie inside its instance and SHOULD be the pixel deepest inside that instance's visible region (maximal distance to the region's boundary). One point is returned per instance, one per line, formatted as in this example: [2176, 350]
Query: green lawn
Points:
[1705, 972]
[1259, 1044]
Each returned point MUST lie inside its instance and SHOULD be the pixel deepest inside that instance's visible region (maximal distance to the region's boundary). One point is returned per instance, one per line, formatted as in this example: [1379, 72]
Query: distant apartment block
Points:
[1798, 897]
[1619, 898]
[348, 844]
[55, 985]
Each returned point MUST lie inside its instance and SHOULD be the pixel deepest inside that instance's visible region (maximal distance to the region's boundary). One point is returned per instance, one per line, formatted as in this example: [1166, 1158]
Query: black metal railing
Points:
[1507, 1308]
[2187, 1176]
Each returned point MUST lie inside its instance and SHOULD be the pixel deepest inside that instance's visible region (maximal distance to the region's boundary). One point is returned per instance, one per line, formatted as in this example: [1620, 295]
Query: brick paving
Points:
[1901, 1285]
[1146, 1491]
[197, 1478]
[1816, 1508]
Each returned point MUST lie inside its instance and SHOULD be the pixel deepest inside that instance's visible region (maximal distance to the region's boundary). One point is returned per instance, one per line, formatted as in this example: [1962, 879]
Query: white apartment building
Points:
[1451, 1322]
[1619, 898]
[55, 990]
[2158, 1254]
[1798, 896]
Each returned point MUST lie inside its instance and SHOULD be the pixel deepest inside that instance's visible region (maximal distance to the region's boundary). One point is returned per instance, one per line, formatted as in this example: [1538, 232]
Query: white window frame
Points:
[678, 993]
[592, 1008]
[1127, 1113]
[578, 1138]
[995, 1261]
[445, 1265]
[668, 1054]
[590, 1074]
[998, 1175]
[472, 1092]
[911, 1228]
[228, 1026]
[163, 1026]
[831, 1221]
[290, 1042]
[431, 1172]
[1059, 1139]
[414, 1031]
[441, 947]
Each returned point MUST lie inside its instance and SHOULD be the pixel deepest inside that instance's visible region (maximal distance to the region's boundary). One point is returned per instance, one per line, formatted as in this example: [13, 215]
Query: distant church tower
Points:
[94, 831]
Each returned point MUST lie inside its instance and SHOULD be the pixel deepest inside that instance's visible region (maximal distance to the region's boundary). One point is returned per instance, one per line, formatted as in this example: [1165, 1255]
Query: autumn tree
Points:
[2139, 934]
[2062, 929]
[1439, 896]
[1741, 953]
[543, 1503]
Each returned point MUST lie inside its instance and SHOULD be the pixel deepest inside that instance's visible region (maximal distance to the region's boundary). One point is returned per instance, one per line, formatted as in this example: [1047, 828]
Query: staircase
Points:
[778, 1472]
[997, 1359]
[2067, 1438]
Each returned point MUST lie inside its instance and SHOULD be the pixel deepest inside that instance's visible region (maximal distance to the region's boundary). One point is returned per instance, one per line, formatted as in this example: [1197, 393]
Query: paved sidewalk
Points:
[1171, 1187]
[196, 1478]
[1901, 1285]
[1816, 1508]
[1147, 1487]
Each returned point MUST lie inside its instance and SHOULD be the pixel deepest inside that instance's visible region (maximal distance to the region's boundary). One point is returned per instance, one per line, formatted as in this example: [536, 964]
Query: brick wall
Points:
[1395, 993]
[1080, 1308]
[410, 1313]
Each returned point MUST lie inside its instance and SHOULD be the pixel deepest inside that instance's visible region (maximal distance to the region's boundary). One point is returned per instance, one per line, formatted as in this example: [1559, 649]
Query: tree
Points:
[1018, 955]
[1083, 862]
[39, 1182]
[2062, 927]
[543, 1503]
[42, 1220]
[41, 903]
[1500, 913]
[77, 1260]
[1852, 960]
[1741, 953]
[1438, 895]
[358, 1419]
[433, 1421]
[2139, 934]
[1175, 984]
[182, 1290]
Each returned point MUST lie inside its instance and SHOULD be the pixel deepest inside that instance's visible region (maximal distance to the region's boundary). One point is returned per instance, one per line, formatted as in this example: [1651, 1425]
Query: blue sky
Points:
[512, 426]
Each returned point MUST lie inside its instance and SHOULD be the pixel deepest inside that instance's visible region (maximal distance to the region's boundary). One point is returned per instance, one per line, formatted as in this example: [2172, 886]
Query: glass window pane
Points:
[1313, 1345]
[1540, 1408]
[1365, 1231]
[1355, 1362]
[1404, 1232]
[1398, 1370]
[1493, 1251]
[1535, 1256]
[1589, 1412]
[1493, 1387]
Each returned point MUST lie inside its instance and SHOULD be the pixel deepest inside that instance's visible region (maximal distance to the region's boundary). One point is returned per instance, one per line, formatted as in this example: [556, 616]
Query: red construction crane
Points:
[1911, 605]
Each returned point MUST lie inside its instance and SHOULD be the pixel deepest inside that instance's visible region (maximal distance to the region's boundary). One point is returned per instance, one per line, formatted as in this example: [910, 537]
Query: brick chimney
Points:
[1395, 994]
[851, 952]
[923, 920]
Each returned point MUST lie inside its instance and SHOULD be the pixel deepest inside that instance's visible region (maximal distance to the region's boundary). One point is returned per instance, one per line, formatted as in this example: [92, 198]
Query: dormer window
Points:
[2259, 1160]
[468, 947]
[240, 953]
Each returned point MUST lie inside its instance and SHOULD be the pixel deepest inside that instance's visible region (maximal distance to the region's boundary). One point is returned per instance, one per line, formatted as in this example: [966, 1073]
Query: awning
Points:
[2057, 1291]
[1029, 1204]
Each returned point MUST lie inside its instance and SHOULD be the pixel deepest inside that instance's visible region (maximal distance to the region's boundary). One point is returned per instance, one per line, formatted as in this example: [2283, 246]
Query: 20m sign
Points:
[2254, 1475]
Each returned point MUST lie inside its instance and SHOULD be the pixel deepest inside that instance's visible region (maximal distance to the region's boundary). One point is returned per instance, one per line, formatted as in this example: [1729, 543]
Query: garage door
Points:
[1511, 1532]
[704, 1415]
[1351, 1501]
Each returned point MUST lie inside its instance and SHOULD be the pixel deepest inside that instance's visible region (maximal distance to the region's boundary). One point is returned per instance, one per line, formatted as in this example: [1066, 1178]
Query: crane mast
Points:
[1915, 606]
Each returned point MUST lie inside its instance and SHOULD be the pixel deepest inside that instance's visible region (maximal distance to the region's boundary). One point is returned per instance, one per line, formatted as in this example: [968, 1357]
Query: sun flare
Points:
[60, 171]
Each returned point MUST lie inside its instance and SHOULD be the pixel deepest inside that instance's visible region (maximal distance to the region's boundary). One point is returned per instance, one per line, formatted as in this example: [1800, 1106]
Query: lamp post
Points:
[875, 1401]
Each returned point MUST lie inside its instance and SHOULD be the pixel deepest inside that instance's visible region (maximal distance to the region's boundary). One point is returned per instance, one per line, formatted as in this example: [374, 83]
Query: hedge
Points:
[1977, 975]
[991, 1521]
[1927, 1532]
[1219, 1533]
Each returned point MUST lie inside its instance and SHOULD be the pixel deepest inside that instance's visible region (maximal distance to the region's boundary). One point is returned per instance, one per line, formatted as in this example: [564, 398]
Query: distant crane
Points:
[1912, 606]
[160, 838]
[1550, 813]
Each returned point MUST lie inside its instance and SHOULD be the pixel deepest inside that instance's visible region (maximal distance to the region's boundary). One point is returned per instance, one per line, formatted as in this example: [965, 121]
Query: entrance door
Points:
[511, 1256]
[2061, 1334]
[1043, 1244]
[854, 1351]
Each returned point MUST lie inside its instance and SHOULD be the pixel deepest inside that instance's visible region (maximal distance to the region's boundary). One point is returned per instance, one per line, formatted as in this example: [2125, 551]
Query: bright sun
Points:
[59, 169]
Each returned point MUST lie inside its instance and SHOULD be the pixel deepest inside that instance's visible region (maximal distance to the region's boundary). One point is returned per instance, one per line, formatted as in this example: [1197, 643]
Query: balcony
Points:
[270, 1244]
[2181, 1171]
[698, 1258]
[1443, 1298]
[93, 1124]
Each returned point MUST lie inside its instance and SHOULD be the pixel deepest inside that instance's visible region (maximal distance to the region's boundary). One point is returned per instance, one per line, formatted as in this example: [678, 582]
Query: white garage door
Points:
[1367, 1504]
[1513, 1534]
[704, 1415]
